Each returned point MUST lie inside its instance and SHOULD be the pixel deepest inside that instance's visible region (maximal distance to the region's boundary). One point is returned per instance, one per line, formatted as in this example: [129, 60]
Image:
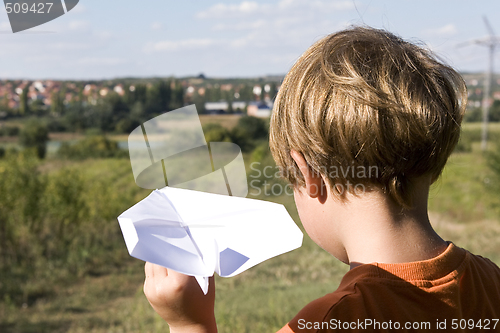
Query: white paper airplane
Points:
[199, 233]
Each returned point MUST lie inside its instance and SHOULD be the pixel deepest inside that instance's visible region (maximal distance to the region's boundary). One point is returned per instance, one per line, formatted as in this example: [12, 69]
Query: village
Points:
[212, 96]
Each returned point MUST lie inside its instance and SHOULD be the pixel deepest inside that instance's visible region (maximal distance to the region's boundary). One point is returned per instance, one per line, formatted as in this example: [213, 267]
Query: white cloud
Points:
[5, 26]
[156, 26]
[66, 46]
[245, 25]
[221, 10]
[79, 25]
[95, 61]
[249, 26]
[276, 23]
[189, 44]
[284, 7]
[444, 31]
[315, 4]
[270, 35]
[43, 59]
[334, 5]
[104, 35]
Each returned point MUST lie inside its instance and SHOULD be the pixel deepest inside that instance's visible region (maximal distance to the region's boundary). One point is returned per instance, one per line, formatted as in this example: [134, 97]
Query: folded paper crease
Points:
[198, 233]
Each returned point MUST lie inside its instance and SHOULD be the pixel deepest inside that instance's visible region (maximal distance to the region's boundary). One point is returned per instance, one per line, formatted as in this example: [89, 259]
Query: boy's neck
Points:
[375, 229]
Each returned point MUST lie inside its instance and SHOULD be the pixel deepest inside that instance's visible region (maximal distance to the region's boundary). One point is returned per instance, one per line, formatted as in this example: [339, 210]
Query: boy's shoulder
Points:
[455, 283]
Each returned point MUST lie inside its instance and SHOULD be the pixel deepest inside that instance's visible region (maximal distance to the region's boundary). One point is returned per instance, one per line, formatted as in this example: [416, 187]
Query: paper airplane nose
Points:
[26, 14]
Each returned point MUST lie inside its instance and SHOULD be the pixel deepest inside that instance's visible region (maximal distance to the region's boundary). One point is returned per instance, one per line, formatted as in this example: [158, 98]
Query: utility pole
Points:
[487, 101]
[491, 42]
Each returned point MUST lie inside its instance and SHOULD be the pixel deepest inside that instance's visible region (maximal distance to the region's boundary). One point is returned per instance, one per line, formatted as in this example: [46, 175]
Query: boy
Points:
[363, 124]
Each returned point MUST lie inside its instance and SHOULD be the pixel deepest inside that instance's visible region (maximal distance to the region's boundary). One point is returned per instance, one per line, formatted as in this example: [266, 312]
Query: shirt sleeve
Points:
[285, 329]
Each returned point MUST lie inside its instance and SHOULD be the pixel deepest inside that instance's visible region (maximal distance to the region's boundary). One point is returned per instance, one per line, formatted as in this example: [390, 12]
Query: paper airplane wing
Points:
[199, 233]
[246, 231]
[154, 232]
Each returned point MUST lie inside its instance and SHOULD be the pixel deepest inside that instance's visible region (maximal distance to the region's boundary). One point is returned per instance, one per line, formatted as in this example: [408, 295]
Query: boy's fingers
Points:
[148, 270]
[159, 271]
[155, 274]
[180, 280]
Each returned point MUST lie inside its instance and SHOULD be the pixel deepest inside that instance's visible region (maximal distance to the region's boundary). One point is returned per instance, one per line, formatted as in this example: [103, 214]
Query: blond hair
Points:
[364, 97]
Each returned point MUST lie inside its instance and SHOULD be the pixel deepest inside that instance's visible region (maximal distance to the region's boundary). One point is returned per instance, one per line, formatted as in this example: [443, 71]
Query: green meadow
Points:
[65, 267]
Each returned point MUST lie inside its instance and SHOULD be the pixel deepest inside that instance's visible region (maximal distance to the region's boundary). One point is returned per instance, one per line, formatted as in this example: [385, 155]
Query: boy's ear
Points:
[315, 186]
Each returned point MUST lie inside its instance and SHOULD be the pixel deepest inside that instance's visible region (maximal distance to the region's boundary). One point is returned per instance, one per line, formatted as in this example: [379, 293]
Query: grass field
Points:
[264, 298]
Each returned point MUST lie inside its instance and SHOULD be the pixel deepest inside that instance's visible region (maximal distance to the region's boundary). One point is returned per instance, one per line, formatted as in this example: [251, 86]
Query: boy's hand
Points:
[179, 300]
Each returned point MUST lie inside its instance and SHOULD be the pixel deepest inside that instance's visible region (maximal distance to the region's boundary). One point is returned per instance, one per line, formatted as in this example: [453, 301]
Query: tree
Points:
[4, 104]
[273, 91]
[139, 94]
[56, 104]
[494, 114]
[246, 93]
[165, 95]
[38, 107]
[177, 100]
[473, 115]
[23, 102]
[158, 98]
[35, 135]
[75, 117]
[137, 112]
[199, 101]
[229, 97]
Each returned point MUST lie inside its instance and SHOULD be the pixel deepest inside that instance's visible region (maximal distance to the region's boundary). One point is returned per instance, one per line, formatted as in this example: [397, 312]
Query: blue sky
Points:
[110, 39]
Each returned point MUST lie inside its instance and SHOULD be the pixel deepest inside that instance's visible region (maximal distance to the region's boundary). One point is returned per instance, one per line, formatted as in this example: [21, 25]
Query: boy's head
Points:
[365, 107]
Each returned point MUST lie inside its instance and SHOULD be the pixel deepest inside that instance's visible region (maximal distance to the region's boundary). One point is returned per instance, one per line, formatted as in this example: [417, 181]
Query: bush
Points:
[473, 115]
[95, 146]
[126, 125]
[476, 114]
[59, 225]
[263, 173]
[35, 135]
[493, 162]
[93, 131]
[21, 190]
[469, 136]
[242, 139]
[464, 145]
[494, 112]
[253, 127]
[247, 134]
[9, 131]
[56, 125]
[216, 133]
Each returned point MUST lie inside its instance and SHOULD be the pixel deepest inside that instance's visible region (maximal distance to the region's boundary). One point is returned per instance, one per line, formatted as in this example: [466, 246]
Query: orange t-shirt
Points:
[453, 292]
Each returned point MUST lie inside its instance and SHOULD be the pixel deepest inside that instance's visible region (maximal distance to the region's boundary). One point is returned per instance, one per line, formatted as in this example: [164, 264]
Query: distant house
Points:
[104, 92]
[259, 109]
[119, 89]
[223, 107]
[39, 86]
[216, 107]
[239, 106]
